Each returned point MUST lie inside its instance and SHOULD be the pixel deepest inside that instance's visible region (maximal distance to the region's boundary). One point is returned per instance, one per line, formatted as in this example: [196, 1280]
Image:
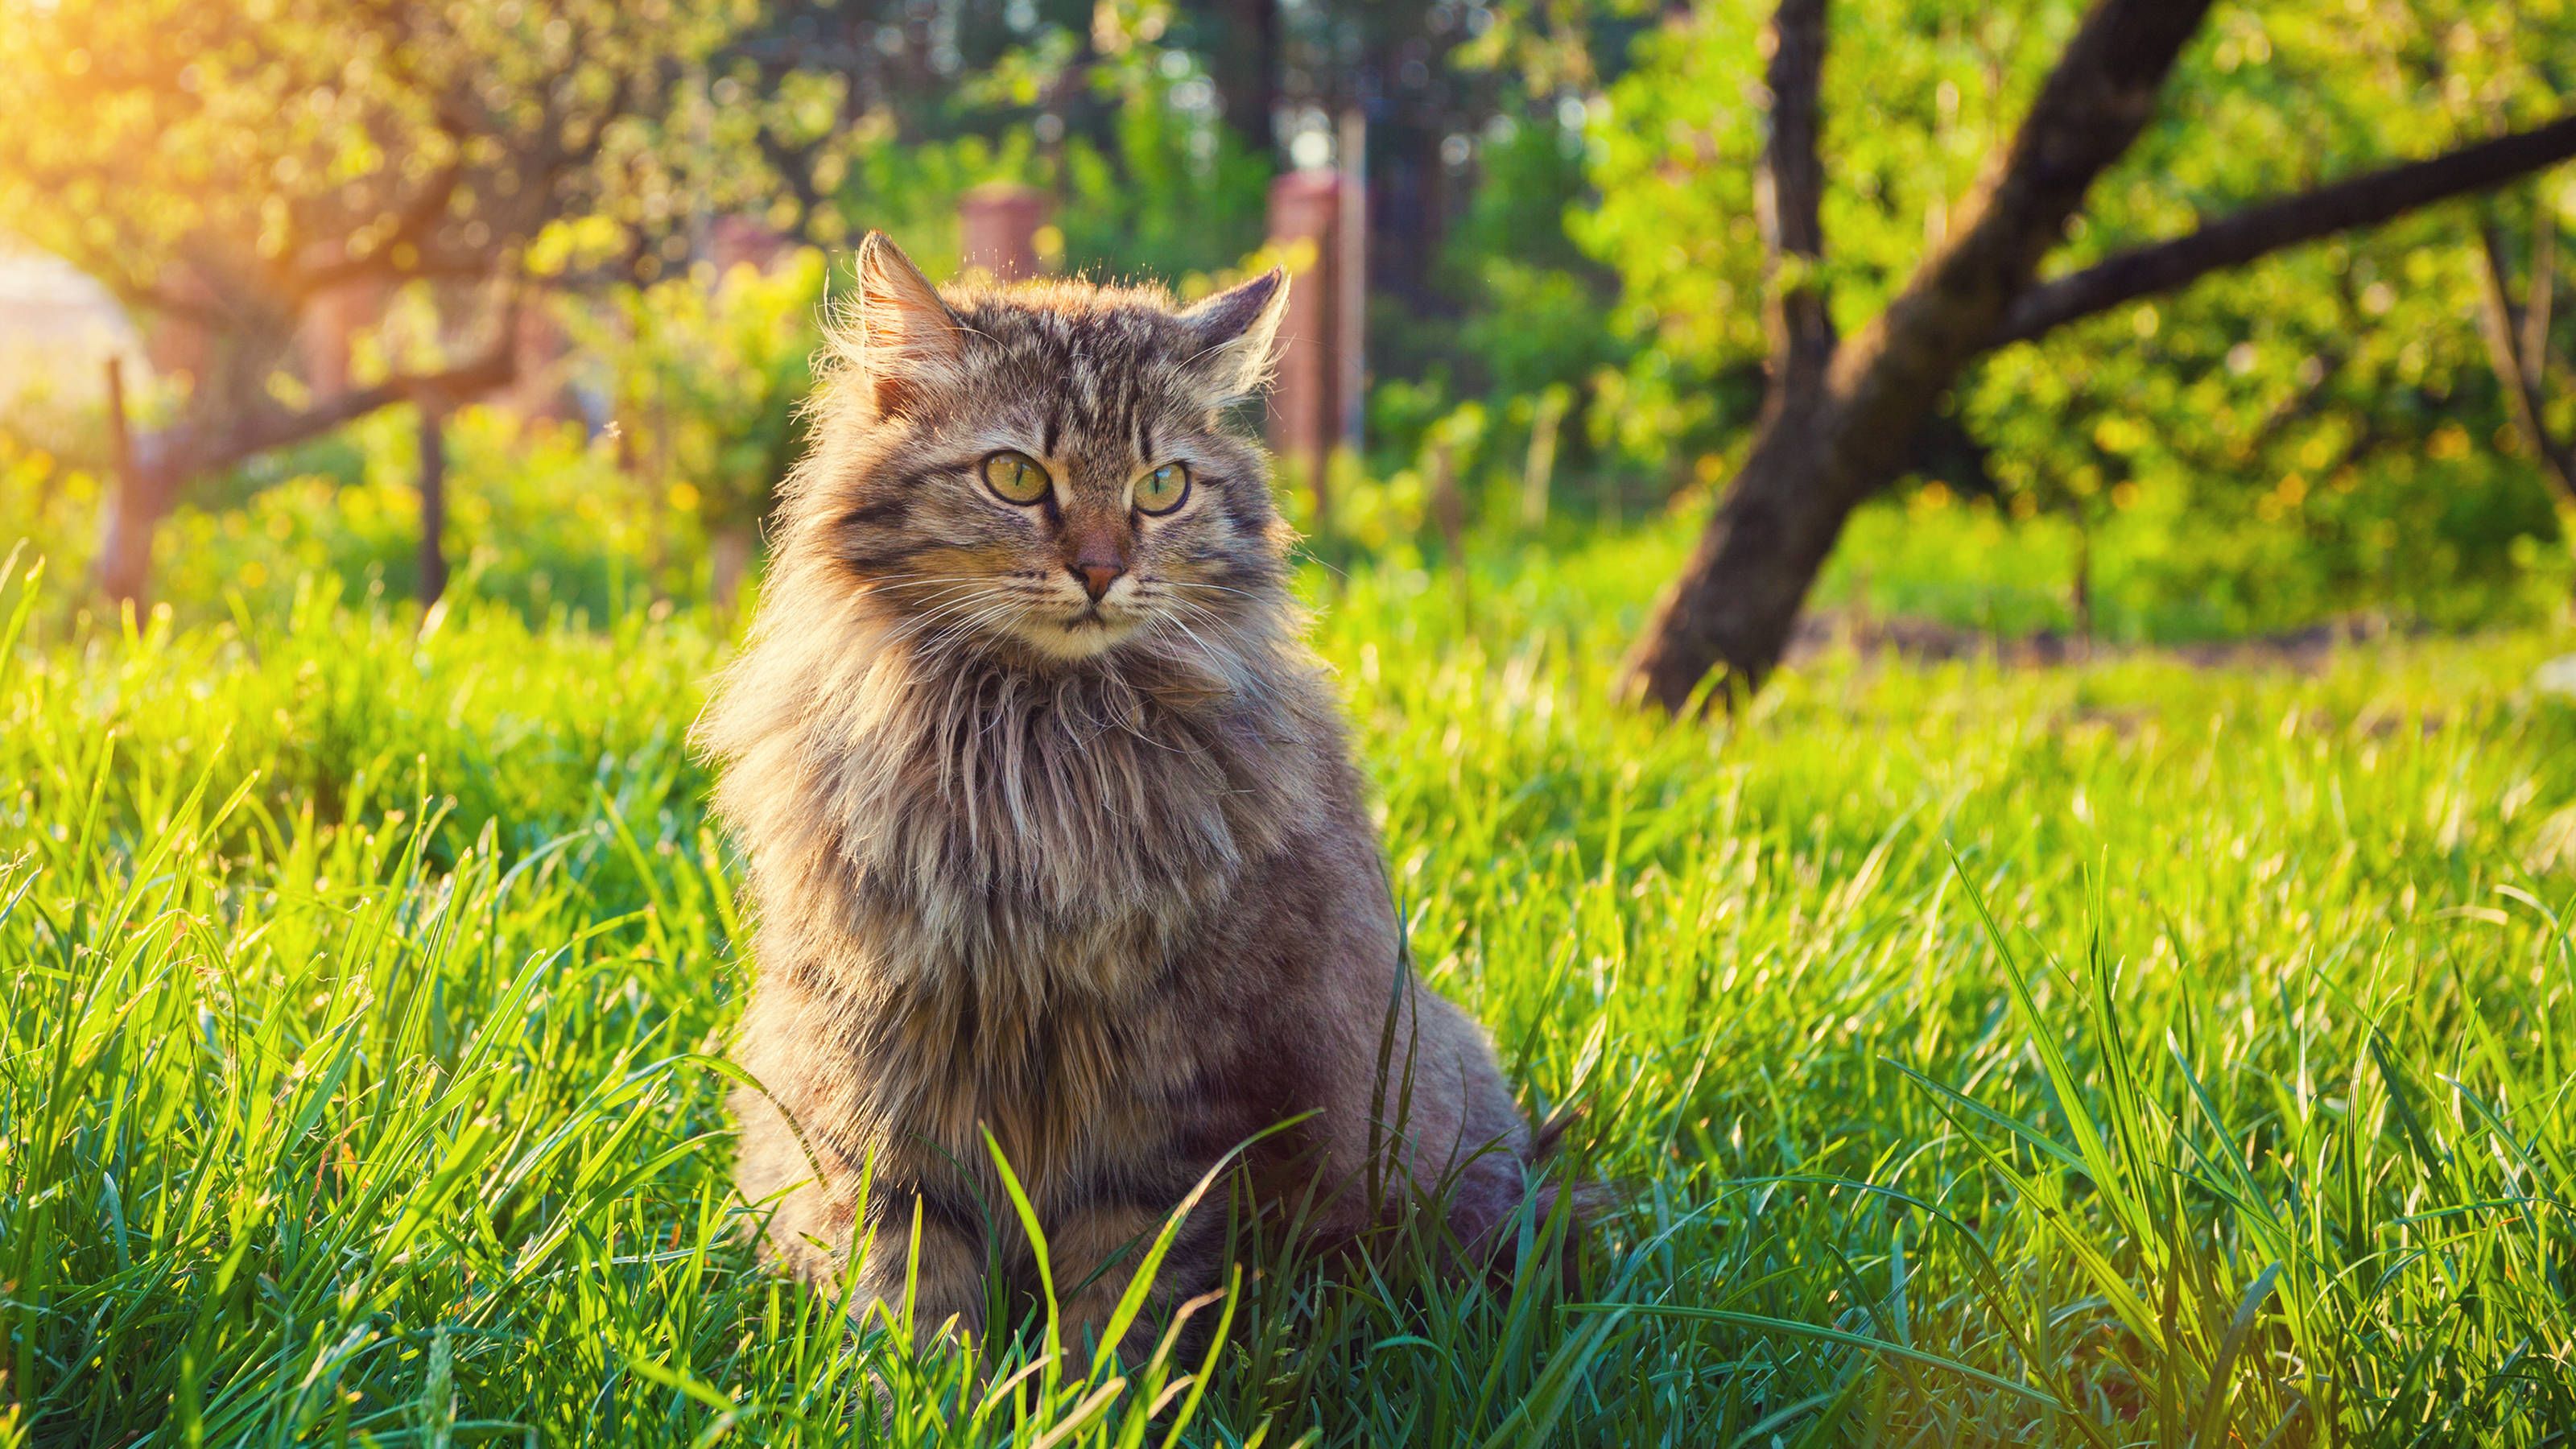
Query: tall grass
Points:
[2127, 1055]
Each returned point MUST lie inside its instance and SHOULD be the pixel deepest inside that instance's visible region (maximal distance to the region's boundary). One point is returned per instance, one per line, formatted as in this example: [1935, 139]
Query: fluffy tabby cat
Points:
[1051, 824]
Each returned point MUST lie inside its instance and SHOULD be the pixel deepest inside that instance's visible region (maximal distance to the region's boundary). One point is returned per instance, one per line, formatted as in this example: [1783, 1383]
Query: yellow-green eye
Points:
[1016, 477]
[1162, 490]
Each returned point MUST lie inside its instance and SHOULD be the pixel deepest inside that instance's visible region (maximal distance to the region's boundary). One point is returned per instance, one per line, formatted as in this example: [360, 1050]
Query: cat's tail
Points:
[1535, 1205]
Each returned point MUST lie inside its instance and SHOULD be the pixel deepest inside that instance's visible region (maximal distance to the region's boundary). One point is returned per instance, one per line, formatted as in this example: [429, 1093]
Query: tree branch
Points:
[412, 225]
[2543, 294]
[276, 428]
[1788, 196]
[2242, 236]
[2096, 100]
[2499, 321]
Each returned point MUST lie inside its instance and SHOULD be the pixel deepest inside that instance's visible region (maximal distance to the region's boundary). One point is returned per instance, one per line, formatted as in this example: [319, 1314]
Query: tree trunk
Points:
[1247, 73]
[1814, 461]
[1820, 452]
[134, 512]
[138, 499]
[125, 546]
[1766, 542]
[433, 501]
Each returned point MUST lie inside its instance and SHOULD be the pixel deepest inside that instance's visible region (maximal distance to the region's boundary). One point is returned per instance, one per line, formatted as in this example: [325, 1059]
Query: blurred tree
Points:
[223, 165]
[1243, 46]
[1867, 341]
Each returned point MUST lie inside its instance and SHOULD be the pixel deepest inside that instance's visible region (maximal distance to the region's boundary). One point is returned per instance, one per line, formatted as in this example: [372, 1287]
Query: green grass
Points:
[2126, 1055]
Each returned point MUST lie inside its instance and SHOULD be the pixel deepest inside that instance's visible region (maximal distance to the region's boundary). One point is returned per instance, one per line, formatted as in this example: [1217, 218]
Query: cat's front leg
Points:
[919, 1259]
[1096, 1254]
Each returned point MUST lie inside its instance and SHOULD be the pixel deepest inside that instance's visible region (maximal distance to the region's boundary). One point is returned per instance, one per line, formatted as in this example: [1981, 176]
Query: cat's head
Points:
[1045, 469]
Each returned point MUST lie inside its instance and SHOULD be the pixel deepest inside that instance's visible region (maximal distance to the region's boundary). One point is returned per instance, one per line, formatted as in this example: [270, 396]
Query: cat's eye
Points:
[1162, 490]
[1016, 477]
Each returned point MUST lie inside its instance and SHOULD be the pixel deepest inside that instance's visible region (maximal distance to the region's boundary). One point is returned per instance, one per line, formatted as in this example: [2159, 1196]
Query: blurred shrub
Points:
[538, 517]
[48, 504]
[705, 377]
[1174, 191]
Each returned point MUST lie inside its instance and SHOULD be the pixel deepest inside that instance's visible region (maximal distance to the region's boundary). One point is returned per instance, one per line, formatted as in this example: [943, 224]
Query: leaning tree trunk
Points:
[141, 499]
[1815, 460]
[1824, 447]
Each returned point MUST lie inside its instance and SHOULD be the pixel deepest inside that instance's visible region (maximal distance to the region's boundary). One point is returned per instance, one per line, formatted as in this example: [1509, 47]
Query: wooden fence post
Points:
[1350, 282]
[433, 497]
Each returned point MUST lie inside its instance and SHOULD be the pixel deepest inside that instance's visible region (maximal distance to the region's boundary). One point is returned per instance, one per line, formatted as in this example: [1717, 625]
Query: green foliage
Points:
[2130, 1053]
[1526, 316]
[2157, 576]
[1173, 192]
[711, 375]
[228, 157]
[2314, 433]
[1159, 190]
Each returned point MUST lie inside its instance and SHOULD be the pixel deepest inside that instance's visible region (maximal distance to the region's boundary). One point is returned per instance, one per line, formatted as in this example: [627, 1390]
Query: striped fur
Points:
[1095, 877]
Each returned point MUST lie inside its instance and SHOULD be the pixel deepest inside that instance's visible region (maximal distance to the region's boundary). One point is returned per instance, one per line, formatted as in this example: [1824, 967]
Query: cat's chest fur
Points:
[1013, 874]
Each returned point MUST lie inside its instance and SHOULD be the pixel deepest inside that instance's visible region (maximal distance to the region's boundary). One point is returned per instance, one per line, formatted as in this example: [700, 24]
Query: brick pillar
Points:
[1305, 412]
[998, 223]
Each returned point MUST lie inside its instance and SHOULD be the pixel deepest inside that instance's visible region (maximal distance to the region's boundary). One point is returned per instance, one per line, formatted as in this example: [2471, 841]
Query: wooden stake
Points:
[433, 500]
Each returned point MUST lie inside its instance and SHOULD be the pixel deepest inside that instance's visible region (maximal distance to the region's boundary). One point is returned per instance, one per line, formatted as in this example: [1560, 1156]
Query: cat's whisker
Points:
[1207, 651]
[931, 594]
[1201, 613]
[931, 632]
[948, 599]
[969, 624]
[962, 599]
[907, 583]
[1194, 584]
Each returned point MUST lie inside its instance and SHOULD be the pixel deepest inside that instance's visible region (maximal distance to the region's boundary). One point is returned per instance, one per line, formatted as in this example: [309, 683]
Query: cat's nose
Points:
[1097, 576]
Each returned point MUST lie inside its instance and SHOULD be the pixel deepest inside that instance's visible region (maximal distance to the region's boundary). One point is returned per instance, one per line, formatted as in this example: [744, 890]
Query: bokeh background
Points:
[592, 243]
[2109, 984]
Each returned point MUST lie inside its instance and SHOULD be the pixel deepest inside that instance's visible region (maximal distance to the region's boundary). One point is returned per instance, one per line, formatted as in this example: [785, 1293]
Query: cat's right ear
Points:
[899, 338]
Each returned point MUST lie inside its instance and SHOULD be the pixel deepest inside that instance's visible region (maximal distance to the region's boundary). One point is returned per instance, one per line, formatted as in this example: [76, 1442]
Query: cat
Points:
[1052, 829]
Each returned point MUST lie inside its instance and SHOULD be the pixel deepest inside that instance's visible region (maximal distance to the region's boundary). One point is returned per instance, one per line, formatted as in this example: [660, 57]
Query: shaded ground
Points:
[1928, 640]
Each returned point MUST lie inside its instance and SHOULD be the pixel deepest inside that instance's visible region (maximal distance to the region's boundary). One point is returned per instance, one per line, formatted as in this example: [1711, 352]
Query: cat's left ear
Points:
[1237, 332]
